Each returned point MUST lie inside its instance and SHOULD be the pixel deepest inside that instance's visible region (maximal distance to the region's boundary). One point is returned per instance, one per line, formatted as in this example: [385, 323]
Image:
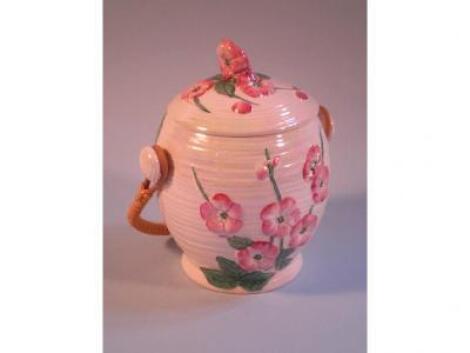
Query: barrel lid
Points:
[241, 102]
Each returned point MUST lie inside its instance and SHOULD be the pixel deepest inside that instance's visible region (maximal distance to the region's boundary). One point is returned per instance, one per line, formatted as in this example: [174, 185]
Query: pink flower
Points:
[262, 172]
[197, 90]
[319, 185]
[222, 215]
[279, 217]
[301, 95]
[241, 107]
[259, 256]
[303, 231]
[232, 59]
[312, 160]
[253, 86]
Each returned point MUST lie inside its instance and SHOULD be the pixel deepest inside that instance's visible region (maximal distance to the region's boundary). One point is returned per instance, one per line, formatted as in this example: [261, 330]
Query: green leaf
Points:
[283, 259]
[283, 263]
[218, 279]
[239, 243]
[245, 100]
[199, 105]
[255, 281]
[225, 87]
[288, 251]
[263, 76]
[217, 77]
[230, 268]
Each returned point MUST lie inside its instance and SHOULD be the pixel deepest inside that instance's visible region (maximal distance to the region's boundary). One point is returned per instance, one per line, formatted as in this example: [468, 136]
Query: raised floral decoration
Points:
[319, 185]
[303, 230]
[281, 223]
[260, 255]
[279, 217]
[300, 94]
[222, 215]
[194, 92]
[316, 172]
[236, 74]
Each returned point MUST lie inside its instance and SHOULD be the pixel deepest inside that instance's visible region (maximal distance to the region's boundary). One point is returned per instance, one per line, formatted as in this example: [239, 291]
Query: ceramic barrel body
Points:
[247, 192]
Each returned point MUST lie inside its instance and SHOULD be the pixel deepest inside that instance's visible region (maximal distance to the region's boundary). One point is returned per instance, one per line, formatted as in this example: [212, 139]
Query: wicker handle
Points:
[326, 121]
[145, 193]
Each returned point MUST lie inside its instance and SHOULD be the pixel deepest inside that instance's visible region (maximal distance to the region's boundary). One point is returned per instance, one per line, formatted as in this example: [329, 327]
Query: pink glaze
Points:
[250, 176]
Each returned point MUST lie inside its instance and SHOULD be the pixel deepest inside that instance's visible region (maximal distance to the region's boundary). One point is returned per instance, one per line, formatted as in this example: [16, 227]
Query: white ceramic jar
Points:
[241, 165]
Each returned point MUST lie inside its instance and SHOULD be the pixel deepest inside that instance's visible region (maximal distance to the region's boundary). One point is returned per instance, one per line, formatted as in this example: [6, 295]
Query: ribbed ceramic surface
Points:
[226, 149]
[269, 113]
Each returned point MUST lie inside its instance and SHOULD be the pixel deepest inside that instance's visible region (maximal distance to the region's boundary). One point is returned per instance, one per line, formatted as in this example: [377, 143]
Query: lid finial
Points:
[233, 60]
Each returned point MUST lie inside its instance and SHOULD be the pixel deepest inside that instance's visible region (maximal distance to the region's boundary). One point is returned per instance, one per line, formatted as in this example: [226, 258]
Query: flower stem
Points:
[321, 143]
[271, 176]
[243, 99]
[160, 128]
[198, 103]
[199, 185]
[311, 209]
[281, 244]
[286, 88]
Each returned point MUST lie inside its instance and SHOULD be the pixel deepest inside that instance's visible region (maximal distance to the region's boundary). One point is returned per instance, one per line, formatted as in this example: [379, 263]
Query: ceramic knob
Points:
[149, 164]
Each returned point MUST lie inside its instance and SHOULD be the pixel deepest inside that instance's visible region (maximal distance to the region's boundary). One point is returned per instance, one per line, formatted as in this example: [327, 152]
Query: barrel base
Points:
[278, 280]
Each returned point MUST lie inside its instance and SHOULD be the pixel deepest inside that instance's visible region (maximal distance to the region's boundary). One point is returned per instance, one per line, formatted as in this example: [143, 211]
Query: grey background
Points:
[154, 49]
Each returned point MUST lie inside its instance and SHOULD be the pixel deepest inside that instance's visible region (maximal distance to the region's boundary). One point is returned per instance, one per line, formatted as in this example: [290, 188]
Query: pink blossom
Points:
[311, 161]
[222, 215]
[262, 171]
[301, 95]
[259, 256]
[241, 107]
[197, 90]
[319, 185]
[279, 217]
[303, 231]
[253, 86]
[232, 59]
